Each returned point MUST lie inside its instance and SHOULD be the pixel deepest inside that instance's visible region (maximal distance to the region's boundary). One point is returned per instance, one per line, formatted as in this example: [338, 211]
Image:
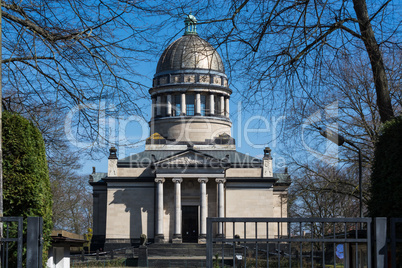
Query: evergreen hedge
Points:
[386, 177]
[26, 189]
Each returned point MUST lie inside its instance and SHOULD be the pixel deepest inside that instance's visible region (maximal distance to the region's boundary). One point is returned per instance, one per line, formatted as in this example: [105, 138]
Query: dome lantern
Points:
[191, 25]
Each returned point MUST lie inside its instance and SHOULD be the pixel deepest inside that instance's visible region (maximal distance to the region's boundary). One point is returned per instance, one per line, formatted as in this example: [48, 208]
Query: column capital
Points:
[177, 180]
[202, 180]
[220, 180]
[160, 180]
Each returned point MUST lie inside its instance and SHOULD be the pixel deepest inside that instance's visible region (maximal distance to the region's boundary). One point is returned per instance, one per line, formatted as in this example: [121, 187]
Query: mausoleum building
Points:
[190, 169]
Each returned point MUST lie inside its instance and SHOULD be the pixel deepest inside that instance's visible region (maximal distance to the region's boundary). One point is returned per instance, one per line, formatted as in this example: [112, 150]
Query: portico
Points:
[201, 204]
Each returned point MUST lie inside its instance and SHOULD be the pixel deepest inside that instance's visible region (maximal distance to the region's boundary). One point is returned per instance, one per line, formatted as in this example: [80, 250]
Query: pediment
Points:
[189, 158]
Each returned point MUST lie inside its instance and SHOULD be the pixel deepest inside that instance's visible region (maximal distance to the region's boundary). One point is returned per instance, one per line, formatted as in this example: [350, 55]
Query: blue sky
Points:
[252, 128]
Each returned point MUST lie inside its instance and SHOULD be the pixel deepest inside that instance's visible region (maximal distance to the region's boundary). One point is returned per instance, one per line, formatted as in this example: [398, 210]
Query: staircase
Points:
[182, 255]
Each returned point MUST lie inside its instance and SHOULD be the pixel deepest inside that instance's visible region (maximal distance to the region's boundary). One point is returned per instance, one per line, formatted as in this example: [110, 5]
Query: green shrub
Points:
[26, 186]
[386, 177]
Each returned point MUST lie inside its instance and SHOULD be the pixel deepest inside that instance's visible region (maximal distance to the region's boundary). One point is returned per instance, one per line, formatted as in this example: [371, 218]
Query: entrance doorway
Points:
[190, 224]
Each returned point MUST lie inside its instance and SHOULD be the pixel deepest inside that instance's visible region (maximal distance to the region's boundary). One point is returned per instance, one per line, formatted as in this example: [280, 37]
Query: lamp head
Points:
[332, 136]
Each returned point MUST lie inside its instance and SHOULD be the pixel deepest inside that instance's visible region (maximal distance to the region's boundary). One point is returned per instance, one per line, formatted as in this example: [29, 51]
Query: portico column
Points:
[197, 104]
[169, 105]
[177, 209]
[222, 105]
[221, 203]
[211, 104]
[183, 104]
[227, 107]
[203, 209]
[158, 105]
[159, 237]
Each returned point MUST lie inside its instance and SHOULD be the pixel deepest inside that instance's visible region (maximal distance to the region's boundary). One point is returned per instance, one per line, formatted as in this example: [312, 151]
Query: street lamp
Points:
[340, 140]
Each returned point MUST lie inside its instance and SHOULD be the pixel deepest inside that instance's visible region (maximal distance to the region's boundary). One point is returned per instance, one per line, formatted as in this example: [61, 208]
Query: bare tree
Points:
[280, 46]
[356, 117]
[72, 202]
[322, 191]
[71, 53]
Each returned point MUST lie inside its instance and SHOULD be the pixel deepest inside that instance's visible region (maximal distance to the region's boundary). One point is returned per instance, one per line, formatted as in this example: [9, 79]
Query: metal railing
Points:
[395, 239]
[12, 240]
[289, 242]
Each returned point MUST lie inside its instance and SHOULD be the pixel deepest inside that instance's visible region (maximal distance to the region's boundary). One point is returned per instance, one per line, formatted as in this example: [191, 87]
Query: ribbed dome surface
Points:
[190, 52]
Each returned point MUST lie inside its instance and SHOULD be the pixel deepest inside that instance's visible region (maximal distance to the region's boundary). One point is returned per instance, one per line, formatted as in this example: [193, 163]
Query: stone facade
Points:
[190, 169]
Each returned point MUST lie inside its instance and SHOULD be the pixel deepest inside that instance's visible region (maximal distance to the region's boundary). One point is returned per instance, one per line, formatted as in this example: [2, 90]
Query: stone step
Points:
[182, 262]
[184, 250]
[176, 263]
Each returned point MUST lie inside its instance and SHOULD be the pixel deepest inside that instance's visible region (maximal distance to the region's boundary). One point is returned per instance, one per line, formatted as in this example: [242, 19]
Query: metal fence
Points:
[396, 239]
[12, 241]
[289, 242]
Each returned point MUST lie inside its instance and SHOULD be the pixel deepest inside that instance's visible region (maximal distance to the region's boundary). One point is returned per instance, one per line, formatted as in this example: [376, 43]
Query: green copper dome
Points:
[190, 52]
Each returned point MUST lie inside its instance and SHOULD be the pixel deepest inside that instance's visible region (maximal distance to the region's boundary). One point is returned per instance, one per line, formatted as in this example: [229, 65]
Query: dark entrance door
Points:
[190, 224]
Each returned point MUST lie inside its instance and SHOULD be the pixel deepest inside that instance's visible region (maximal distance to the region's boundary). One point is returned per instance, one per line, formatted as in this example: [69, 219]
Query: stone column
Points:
[221, 203]
[197, 104]
[169, 105]
[153, 107]
[222, 105]
[183, 104]
[211, 104]
[227, 106]
[158, 105]
[177, 238]
[159, 237]
[203, 210]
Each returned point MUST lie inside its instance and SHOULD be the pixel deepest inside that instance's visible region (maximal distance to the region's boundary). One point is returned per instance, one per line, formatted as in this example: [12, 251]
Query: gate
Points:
[11, 243]
[289, 242]
[396, 238]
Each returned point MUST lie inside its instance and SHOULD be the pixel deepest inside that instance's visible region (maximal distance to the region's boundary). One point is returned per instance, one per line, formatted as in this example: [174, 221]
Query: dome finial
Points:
[191, 25]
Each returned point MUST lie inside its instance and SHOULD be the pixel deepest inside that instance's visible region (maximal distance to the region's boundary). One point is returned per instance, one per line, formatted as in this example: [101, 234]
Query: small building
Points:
[190, 169]
[61, 244]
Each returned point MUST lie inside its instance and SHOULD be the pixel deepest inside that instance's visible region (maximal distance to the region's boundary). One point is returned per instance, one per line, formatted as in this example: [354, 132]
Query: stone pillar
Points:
[267, 169]
[169, 105]
[211, 104]
[197, 104]
[112, 163]
[227, 106]
[203, 210]
[159, 236]
[183, 104]
[158, 105]
[222, 105]
[153, 107]
[177, 238]
[221, 203]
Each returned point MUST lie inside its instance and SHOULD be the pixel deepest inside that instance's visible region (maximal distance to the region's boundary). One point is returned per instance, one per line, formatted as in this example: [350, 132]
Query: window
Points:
[216, 102]
[190, 104]
[154, 106]
[176, 105]
[203, 104]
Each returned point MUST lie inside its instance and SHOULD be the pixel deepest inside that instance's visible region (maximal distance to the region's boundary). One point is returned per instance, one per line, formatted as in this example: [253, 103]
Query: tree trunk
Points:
[376, 60]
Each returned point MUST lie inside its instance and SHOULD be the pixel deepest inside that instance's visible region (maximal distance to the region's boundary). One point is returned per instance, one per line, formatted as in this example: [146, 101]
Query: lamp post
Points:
[340, 140]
